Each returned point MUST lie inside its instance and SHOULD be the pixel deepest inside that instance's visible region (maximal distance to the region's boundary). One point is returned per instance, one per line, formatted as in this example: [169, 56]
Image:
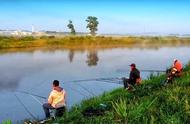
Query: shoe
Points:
[45, 120]
[129, 88]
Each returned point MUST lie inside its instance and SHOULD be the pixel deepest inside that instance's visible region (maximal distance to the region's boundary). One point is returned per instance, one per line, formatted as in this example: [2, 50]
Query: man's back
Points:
[134, 75]
[178, 65]
[57, 97]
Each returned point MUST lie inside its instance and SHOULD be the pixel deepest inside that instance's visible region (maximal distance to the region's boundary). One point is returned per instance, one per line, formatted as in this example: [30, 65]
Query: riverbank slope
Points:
[151, 102]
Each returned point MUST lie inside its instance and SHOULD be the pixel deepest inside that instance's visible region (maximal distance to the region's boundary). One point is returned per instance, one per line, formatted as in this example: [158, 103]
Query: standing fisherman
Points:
[56, 99]
[134, 78]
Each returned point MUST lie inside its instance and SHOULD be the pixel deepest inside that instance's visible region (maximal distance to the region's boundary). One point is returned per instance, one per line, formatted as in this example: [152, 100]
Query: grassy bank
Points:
[151, 103]
[87, 41]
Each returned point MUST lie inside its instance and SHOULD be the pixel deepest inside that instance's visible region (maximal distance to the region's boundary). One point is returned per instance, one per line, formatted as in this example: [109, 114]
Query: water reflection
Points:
[92, 58]
[14, 67]
[71, 55]
[10, 83]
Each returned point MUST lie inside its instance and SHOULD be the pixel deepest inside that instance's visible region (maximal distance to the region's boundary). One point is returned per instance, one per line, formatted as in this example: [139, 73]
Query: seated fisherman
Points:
[175, 71]
[56, 99]
[177, 67]
[134, 77]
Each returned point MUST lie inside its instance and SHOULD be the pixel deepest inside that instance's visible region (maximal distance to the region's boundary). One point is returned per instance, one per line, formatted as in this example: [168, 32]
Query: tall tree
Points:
[92, 24]
[71, 27]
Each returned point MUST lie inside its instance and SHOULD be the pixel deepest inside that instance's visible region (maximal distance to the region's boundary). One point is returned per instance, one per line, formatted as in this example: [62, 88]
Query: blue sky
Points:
[115, 16]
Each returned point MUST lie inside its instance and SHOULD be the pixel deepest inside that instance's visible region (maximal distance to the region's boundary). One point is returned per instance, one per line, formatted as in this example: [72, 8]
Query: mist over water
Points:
[34, 72]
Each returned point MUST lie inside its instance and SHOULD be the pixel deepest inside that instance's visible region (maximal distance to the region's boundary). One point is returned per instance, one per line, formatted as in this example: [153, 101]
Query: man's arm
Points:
[50, 99]
[131, 76]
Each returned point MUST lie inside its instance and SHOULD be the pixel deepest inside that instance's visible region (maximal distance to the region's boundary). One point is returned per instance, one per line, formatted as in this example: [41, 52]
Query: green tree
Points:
[71, 27]
[92, 24]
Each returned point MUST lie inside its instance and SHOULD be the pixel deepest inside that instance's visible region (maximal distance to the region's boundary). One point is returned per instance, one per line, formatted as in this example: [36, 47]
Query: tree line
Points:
[92, 25]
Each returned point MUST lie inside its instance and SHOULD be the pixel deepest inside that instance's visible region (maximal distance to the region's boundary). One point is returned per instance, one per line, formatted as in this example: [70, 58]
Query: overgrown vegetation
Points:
[88, 41]
[151, 103]
[7, 122]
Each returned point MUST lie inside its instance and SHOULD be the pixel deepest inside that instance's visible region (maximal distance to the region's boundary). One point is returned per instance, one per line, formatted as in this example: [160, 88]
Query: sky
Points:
[114, 16]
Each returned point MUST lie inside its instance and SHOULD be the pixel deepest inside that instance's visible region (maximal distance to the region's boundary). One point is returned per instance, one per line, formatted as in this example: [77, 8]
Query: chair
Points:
[58, 112]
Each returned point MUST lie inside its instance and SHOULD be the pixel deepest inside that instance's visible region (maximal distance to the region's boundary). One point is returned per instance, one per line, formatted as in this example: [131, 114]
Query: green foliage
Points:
[92, 24]
[7, 122]
[27, 38]
[82, 42]
[71, 27]
[51, 37]
[120, 109]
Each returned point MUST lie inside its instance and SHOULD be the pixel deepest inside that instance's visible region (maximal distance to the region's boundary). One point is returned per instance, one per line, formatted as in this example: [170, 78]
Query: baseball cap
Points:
[132, 65]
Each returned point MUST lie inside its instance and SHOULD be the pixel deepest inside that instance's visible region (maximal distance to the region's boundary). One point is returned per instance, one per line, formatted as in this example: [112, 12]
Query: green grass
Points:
[7, 122]
[88, 41]
[150, 103]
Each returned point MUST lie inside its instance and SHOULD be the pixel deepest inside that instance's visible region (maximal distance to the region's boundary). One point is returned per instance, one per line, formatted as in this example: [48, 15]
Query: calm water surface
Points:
[34, 71]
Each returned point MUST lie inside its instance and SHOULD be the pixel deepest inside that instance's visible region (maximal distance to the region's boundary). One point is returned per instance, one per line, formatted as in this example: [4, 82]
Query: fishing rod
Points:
[91, 79]
[24, 106]
[117, 81]
[152, 71]
[24, 92]
[89, 90]
[36, 100]
[39, 85]
[77, 91]
[84, 88]
[123, 70]
[108, 80]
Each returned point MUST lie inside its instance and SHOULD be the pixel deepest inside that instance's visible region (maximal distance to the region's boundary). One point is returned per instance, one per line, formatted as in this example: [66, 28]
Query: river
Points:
[33, 71]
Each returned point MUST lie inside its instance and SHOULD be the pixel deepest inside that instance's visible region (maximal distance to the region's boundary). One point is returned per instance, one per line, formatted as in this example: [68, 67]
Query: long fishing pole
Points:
[77, 91]
[84, 88]
[92, 79]
[23, 105]
[152, 71]
[98, 79]
[123, 70]
[24, 92]
[107, 81]
[36, 100]
[89, 90]
[111, 81]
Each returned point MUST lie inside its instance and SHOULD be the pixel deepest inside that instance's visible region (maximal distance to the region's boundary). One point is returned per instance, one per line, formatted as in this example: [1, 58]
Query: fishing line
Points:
[24, 92]
[111, 79]
[122, 70]
[84, 88]
[77, 91]
[39, 85]
[36, 100]
[107, 80]
[92, 79]
[26, 109]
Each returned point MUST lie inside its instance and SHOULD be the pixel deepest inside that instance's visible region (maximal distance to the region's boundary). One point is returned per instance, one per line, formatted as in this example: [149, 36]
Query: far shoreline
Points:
[88, 42]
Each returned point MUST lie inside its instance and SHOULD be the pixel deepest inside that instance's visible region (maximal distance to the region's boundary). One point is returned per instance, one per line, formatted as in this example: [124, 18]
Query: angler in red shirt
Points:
[175, 71]
[177, 65]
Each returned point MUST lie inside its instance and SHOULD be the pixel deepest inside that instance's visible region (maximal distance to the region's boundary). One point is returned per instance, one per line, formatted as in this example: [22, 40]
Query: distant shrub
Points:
[27, 38]
[5, 38]
[44, 37]
[51, 37]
